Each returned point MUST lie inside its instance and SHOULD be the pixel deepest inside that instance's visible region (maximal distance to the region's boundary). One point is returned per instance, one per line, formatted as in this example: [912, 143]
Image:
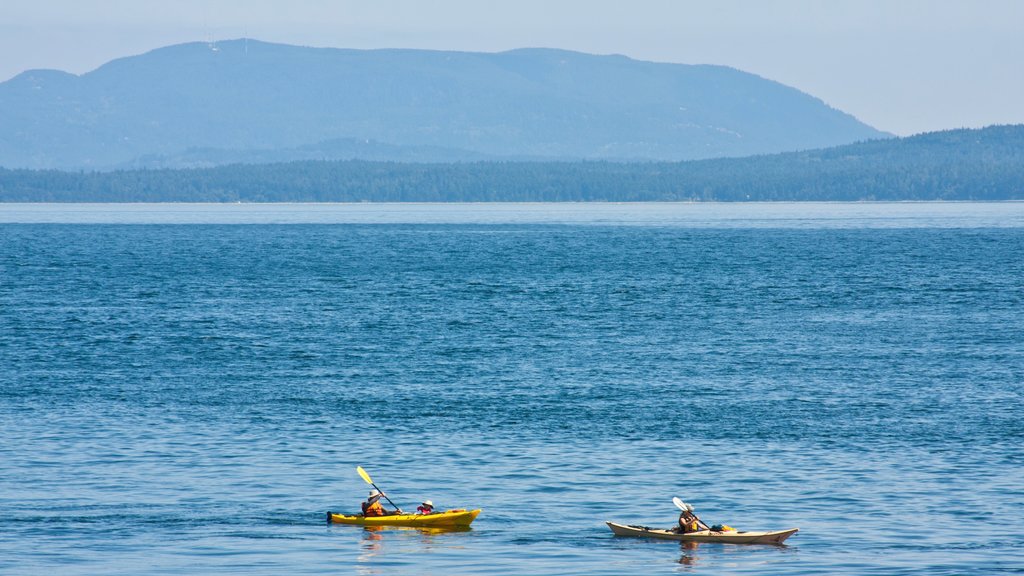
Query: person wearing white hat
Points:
[688, 520]
[373, 507]
[427, 507]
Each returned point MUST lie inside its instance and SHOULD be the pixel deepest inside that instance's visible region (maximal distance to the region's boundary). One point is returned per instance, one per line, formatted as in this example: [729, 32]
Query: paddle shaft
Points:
[385, 496]
[699, 521]
[366, 478]
[706, 527]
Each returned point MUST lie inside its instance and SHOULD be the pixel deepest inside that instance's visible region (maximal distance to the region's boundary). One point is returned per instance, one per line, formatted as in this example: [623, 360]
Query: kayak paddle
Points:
[370, 482]
[687, 508]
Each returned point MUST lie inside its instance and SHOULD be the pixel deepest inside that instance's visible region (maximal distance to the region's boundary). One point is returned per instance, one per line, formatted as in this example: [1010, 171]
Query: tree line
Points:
[986, 164]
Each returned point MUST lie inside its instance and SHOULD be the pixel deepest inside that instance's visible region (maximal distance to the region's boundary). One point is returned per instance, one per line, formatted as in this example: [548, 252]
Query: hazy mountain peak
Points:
[531, 102]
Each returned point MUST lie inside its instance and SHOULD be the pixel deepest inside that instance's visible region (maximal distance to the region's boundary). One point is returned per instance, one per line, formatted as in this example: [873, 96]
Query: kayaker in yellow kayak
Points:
[374, 513]
[373, 507]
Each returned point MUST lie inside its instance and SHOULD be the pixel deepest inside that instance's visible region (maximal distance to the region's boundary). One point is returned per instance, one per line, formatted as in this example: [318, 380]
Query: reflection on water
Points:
[689, 557]
[423, 530]
[372, 545]
[377, 541]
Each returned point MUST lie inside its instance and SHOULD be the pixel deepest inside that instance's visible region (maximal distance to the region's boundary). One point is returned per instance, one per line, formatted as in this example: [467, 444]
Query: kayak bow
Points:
[776, 537]
[448, 518]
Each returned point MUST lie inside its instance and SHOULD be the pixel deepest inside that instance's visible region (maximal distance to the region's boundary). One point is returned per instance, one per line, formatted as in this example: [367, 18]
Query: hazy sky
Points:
[904, 66]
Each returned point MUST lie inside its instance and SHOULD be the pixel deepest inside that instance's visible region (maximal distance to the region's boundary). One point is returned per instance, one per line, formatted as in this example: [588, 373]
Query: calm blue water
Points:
[191, 398]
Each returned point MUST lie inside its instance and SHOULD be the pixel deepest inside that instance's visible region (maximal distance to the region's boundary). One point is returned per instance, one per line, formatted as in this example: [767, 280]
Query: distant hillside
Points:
[985, 164]
[201, 104]
[338, 149]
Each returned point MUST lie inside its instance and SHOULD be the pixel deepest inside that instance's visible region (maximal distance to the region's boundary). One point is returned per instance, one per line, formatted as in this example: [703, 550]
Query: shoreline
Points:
[800, 214]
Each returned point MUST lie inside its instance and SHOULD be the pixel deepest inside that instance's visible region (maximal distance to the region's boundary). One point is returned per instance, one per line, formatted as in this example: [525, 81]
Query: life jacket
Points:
[424, 510]
[374, 509]
[687, 527]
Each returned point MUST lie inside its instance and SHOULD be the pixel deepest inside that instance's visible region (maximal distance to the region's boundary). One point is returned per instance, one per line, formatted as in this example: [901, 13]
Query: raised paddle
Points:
[370, 482]
[688, 508]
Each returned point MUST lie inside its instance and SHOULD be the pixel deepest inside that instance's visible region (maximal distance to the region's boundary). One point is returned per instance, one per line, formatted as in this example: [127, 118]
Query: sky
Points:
[903, 66]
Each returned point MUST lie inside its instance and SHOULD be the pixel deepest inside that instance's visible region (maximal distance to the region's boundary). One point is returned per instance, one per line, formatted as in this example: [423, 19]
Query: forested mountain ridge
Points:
[200, 104]
[984, 164]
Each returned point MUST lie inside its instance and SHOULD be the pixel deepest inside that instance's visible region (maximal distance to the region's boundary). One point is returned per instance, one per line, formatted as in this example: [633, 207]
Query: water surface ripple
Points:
[191, 398]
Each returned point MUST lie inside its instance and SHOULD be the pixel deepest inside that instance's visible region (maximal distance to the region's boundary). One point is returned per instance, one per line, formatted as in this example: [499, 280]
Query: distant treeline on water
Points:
[985, 164]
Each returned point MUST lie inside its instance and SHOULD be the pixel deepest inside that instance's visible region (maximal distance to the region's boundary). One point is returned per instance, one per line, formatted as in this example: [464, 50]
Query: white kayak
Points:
[777, 537]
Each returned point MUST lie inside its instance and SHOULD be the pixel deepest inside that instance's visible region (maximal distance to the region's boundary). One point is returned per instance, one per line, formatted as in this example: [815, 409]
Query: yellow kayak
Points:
[446, 519]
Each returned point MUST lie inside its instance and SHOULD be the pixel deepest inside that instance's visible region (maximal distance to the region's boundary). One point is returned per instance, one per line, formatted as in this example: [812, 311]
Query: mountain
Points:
[985, 164]
[236, 97]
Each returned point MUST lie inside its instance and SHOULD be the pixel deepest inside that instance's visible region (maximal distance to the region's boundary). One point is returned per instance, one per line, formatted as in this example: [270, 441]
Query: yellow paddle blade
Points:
[364, 475]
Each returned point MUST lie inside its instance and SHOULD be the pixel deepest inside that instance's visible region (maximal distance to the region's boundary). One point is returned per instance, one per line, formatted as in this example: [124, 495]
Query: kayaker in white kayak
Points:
[688, 522]
[427, 507]
[373, 507]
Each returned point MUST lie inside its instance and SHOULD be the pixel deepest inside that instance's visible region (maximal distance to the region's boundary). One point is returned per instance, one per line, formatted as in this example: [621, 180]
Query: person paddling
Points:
[688, 522]
[373, 507]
